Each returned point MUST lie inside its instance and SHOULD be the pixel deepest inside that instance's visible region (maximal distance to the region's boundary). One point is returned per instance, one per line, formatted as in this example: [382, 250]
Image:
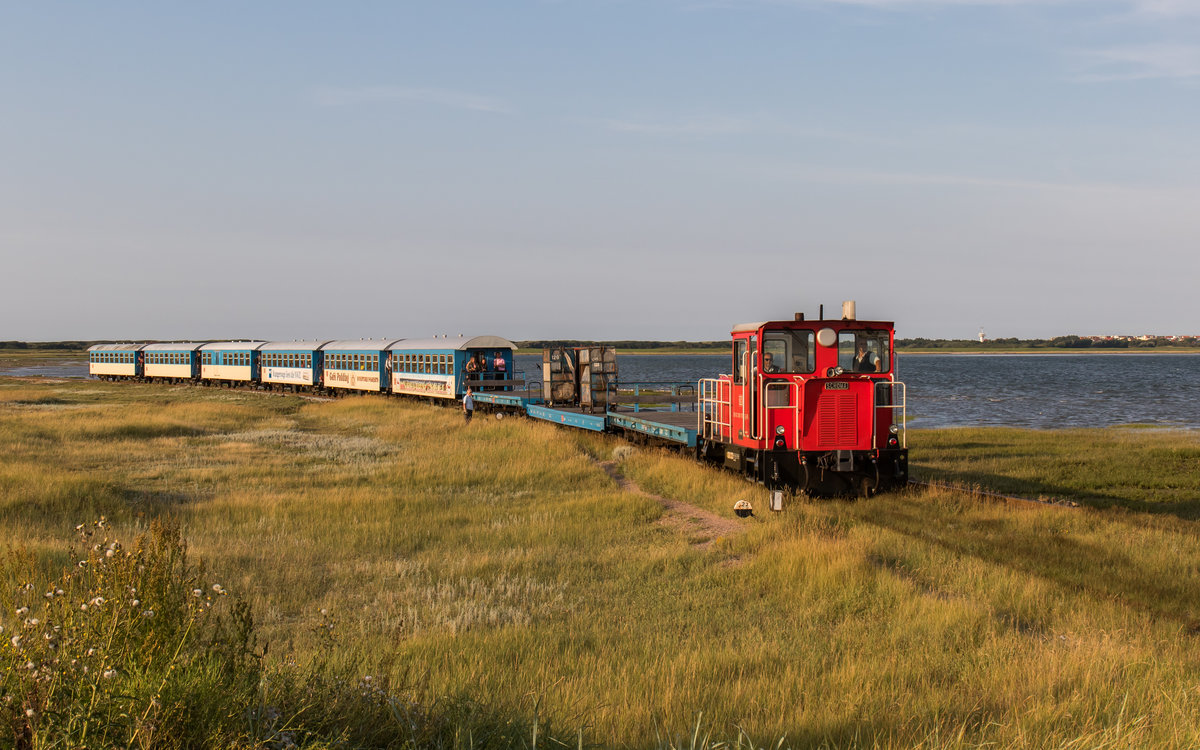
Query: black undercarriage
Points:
[836, 473]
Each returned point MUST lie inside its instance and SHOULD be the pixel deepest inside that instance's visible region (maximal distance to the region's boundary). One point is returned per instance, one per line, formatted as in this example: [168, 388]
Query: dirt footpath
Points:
[704, 525]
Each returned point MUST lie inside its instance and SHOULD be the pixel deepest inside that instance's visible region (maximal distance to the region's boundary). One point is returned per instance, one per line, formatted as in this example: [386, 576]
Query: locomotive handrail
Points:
[791, 401]
[892, 388]
[712, 394]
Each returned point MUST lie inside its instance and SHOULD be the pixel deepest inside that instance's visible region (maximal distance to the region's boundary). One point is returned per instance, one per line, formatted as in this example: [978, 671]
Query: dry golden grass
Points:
[497, 560]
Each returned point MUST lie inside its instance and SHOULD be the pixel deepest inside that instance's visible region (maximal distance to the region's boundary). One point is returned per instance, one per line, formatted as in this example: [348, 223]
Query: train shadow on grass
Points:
[1188, 510]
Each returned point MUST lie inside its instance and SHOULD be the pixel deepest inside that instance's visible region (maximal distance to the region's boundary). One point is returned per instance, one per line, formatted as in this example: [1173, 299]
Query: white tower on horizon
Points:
[982, 337]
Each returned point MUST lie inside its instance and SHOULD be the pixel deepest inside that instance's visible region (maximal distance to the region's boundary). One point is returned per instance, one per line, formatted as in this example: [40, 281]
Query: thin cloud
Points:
[345, 97]
[1139, 62]
[1166, 8]
[1151, 8]
[687, 126]
[916, 179]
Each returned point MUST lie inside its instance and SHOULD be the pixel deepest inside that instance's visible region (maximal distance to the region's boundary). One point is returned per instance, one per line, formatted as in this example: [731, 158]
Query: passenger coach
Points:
[444, 368]
[174, 361]
[356, 365]
[111, 361]
[230, 361]
[295, 364]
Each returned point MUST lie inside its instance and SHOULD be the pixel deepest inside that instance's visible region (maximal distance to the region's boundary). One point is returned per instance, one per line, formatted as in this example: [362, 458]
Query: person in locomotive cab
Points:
[865, 361]
[769, 365]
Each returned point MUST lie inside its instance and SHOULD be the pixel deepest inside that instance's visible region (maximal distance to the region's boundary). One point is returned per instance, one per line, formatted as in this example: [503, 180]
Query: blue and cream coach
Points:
[294, 363]
[173, 361]
[233, 361]
[115, 360]
[356, 365]
[438, 367]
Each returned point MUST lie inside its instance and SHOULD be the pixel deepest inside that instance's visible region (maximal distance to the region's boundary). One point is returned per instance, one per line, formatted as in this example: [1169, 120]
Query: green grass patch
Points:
[1156, 471]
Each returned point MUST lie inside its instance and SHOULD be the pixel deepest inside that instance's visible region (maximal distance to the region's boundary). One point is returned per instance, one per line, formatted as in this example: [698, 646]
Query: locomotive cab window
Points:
[863, 351]
[791, 351]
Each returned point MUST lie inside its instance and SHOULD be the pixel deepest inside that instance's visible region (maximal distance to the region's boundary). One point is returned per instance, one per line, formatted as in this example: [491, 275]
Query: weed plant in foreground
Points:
[424, 583]
[132, 647]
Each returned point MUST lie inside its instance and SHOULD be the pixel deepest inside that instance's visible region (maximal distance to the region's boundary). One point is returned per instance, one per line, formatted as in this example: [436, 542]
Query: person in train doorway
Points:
[865, 361]
[498, 365]
[468, 406]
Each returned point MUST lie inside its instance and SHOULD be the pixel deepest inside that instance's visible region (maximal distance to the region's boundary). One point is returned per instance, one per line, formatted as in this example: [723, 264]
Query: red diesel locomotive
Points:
[810, 405]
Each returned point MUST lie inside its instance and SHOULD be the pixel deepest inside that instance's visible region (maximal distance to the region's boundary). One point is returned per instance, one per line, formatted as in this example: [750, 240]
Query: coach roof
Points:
[232, 346]
[362, 345]
[115, 347]
[478, 342]
[292, 346]
[178, 346]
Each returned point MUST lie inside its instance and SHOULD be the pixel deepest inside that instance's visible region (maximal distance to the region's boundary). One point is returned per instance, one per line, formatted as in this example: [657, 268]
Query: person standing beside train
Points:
[468, 406]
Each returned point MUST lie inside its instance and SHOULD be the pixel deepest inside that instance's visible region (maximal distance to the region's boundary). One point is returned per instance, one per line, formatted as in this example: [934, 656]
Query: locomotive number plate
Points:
[837, 385]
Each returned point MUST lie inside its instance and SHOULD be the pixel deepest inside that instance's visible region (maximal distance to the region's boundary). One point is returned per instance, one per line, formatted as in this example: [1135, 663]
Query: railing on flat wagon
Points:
[649, 395]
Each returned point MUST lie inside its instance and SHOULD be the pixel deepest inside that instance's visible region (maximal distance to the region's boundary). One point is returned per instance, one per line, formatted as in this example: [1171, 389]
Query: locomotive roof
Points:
[365, 345]
[460, 343]
[176, 346]
[115, 347]
[805, 324]
[299, 346]
[232, 346]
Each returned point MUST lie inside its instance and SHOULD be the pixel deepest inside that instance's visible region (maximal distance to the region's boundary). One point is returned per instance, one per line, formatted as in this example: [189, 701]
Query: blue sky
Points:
[597, 169]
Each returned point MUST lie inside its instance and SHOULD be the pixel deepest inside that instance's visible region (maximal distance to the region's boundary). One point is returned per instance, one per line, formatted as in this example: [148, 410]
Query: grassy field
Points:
[420, 582]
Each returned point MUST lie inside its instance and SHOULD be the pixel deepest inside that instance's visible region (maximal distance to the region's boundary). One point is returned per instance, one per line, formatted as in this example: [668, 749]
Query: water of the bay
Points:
[956, 390]
[1014, 390]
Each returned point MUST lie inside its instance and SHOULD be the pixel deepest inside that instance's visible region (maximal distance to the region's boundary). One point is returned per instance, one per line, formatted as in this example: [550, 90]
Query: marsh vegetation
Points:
[394, 578]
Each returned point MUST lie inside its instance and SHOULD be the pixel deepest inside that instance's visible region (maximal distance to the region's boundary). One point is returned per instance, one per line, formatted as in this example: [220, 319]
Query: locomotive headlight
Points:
[779, 430]
[894, 429]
